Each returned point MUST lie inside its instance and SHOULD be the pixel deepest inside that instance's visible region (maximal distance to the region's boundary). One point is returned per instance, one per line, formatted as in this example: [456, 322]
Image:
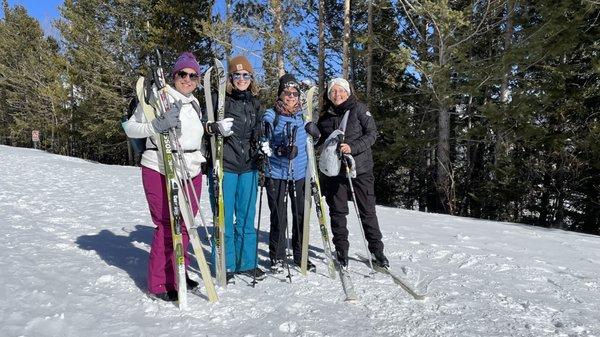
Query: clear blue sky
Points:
[44, 11]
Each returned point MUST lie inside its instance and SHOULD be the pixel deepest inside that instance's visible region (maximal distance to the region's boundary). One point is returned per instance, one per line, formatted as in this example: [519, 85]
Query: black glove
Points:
[169, 120]
[290, 151]
[312, 129]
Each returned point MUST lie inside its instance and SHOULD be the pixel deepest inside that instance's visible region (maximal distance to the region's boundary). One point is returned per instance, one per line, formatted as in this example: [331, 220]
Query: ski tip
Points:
[419, 297]
[351, 299]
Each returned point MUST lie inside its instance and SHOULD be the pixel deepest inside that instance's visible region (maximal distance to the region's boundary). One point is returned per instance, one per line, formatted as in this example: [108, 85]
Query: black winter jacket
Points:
[240, 149]
[361, 131]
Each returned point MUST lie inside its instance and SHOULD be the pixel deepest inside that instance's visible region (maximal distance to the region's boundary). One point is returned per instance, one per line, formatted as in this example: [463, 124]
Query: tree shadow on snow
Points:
[119, 251]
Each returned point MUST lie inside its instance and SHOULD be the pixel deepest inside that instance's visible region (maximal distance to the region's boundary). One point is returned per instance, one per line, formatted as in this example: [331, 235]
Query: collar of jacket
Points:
[347, 105]
[245, 95]
[177, 96]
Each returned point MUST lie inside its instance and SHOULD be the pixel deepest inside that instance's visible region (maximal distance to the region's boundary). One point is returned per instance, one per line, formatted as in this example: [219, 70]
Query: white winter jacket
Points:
[190, 135]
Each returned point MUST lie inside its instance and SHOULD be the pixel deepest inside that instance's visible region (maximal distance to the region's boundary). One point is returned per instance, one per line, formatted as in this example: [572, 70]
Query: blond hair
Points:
[253, 87]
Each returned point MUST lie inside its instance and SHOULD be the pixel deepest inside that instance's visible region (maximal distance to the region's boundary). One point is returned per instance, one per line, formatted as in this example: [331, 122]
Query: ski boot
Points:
[380, 260]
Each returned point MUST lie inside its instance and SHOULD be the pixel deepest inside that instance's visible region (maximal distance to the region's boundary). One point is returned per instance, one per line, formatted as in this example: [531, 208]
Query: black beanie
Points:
[286, 81]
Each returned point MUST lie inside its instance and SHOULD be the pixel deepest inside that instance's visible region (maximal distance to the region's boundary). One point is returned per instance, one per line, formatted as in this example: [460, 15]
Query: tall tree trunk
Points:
[278, 30]
[443, 159]
[229, 44]
[369, 51]
[545, 202]
[321, 52]
[509, 21]
[346, 39]
[71, 143]
[443, 172]
[53, 126]
[559, 218]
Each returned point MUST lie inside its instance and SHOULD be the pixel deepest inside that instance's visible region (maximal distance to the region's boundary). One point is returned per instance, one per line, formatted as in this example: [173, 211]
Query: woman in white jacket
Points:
[184, 116]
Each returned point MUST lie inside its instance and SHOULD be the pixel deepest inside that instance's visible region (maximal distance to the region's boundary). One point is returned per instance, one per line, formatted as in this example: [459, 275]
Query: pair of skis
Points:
[313, 189]
[312, 192]
[216, 146]
[177, 189]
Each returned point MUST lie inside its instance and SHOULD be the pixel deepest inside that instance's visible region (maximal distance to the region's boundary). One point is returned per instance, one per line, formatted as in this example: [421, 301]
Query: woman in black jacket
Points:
[241, 130]
[360, 135]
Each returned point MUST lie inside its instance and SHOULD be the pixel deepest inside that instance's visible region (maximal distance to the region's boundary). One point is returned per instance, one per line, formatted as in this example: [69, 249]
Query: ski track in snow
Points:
[76, 236]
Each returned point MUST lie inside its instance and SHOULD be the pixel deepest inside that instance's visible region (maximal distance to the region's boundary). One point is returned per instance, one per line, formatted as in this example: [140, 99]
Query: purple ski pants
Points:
[161, 269]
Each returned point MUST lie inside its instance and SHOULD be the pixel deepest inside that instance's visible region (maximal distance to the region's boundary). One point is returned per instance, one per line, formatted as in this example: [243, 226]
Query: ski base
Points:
[396, 278]
[347, 285]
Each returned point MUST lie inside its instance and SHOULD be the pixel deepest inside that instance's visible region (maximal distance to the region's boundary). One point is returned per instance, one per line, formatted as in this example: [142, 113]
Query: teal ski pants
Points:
[239, 196]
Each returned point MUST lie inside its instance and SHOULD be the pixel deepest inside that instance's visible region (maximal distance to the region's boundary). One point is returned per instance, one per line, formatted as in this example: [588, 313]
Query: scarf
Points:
[282, 109]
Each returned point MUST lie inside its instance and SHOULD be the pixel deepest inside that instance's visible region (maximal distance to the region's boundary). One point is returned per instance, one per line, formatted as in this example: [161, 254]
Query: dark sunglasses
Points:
[245, 76]
[291, 93]
[183, 74]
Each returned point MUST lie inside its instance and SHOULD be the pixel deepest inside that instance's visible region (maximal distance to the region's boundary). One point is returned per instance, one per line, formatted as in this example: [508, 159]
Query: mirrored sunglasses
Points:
[245, 76]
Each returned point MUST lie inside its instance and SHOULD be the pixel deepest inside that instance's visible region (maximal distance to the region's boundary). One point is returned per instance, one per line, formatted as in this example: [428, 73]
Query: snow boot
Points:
[309, 266]
[230, 277]
[380, 259]
[169, 296]
[191, 284]
[260, 274]
[276, 266]
[342, 259]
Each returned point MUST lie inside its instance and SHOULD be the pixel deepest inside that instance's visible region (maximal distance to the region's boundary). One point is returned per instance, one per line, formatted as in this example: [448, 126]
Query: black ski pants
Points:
[276, 191]
[337, 194]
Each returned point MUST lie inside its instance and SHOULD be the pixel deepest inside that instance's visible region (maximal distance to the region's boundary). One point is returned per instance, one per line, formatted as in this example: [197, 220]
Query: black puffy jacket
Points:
[361, 131]
[240, 149]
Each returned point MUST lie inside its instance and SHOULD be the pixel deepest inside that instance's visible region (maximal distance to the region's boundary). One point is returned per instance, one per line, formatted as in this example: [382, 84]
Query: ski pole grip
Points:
[288, 131]
[267, 130]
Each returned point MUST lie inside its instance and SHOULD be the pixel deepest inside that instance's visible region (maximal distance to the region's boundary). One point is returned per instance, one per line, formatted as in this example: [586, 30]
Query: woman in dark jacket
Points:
[360, 135]
[241, 129]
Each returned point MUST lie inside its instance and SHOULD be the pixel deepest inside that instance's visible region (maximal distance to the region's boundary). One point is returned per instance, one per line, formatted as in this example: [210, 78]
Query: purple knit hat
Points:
[186, 60]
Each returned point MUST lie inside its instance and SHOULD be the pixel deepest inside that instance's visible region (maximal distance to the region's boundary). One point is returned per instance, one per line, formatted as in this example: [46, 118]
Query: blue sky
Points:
[45, 11]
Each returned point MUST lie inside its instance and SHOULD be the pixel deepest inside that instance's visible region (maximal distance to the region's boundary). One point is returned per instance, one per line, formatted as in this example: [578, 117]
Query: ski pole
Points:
[288, 128]
[295, 224]
[261, 180]
[360, 224]
[188, 182]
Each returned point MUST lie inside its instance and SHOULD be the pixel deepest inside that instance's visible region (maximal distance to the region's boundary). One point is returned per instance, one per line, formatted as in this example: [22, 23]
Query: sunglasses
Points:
[291, 93]
[245, 76]
[183, 74]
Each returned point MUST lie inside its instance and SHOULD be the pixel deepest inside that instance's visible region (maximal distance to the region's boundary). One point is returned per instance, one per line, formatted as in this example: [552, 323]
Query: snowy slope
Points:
[75, 236]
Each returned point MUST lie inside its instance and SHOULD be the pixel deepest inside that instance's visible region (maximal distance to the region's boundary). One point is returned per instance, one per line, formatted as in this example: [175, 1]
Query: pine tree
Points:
[32, 82]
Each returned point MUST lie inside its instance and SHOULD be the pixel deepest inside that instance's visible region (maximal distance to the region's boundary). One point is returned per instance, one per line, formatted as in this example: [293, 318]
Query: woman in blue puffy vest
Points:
[287, 170]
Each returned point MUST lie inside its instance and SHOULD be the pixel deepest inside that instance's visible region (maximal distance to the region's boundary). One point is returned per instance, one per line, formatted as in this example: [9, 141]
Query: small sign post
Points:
[35, 137]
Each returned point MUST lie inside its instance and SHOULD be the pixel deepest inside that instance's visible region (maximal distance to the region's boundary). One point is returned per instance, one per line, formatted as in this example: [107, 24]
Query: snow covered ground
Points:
[75, 235]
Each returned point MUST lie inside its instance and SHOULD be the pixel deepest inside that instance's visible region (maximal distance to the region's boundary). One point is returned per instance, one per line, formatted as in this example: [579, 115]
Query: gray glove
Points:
[169, 120]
